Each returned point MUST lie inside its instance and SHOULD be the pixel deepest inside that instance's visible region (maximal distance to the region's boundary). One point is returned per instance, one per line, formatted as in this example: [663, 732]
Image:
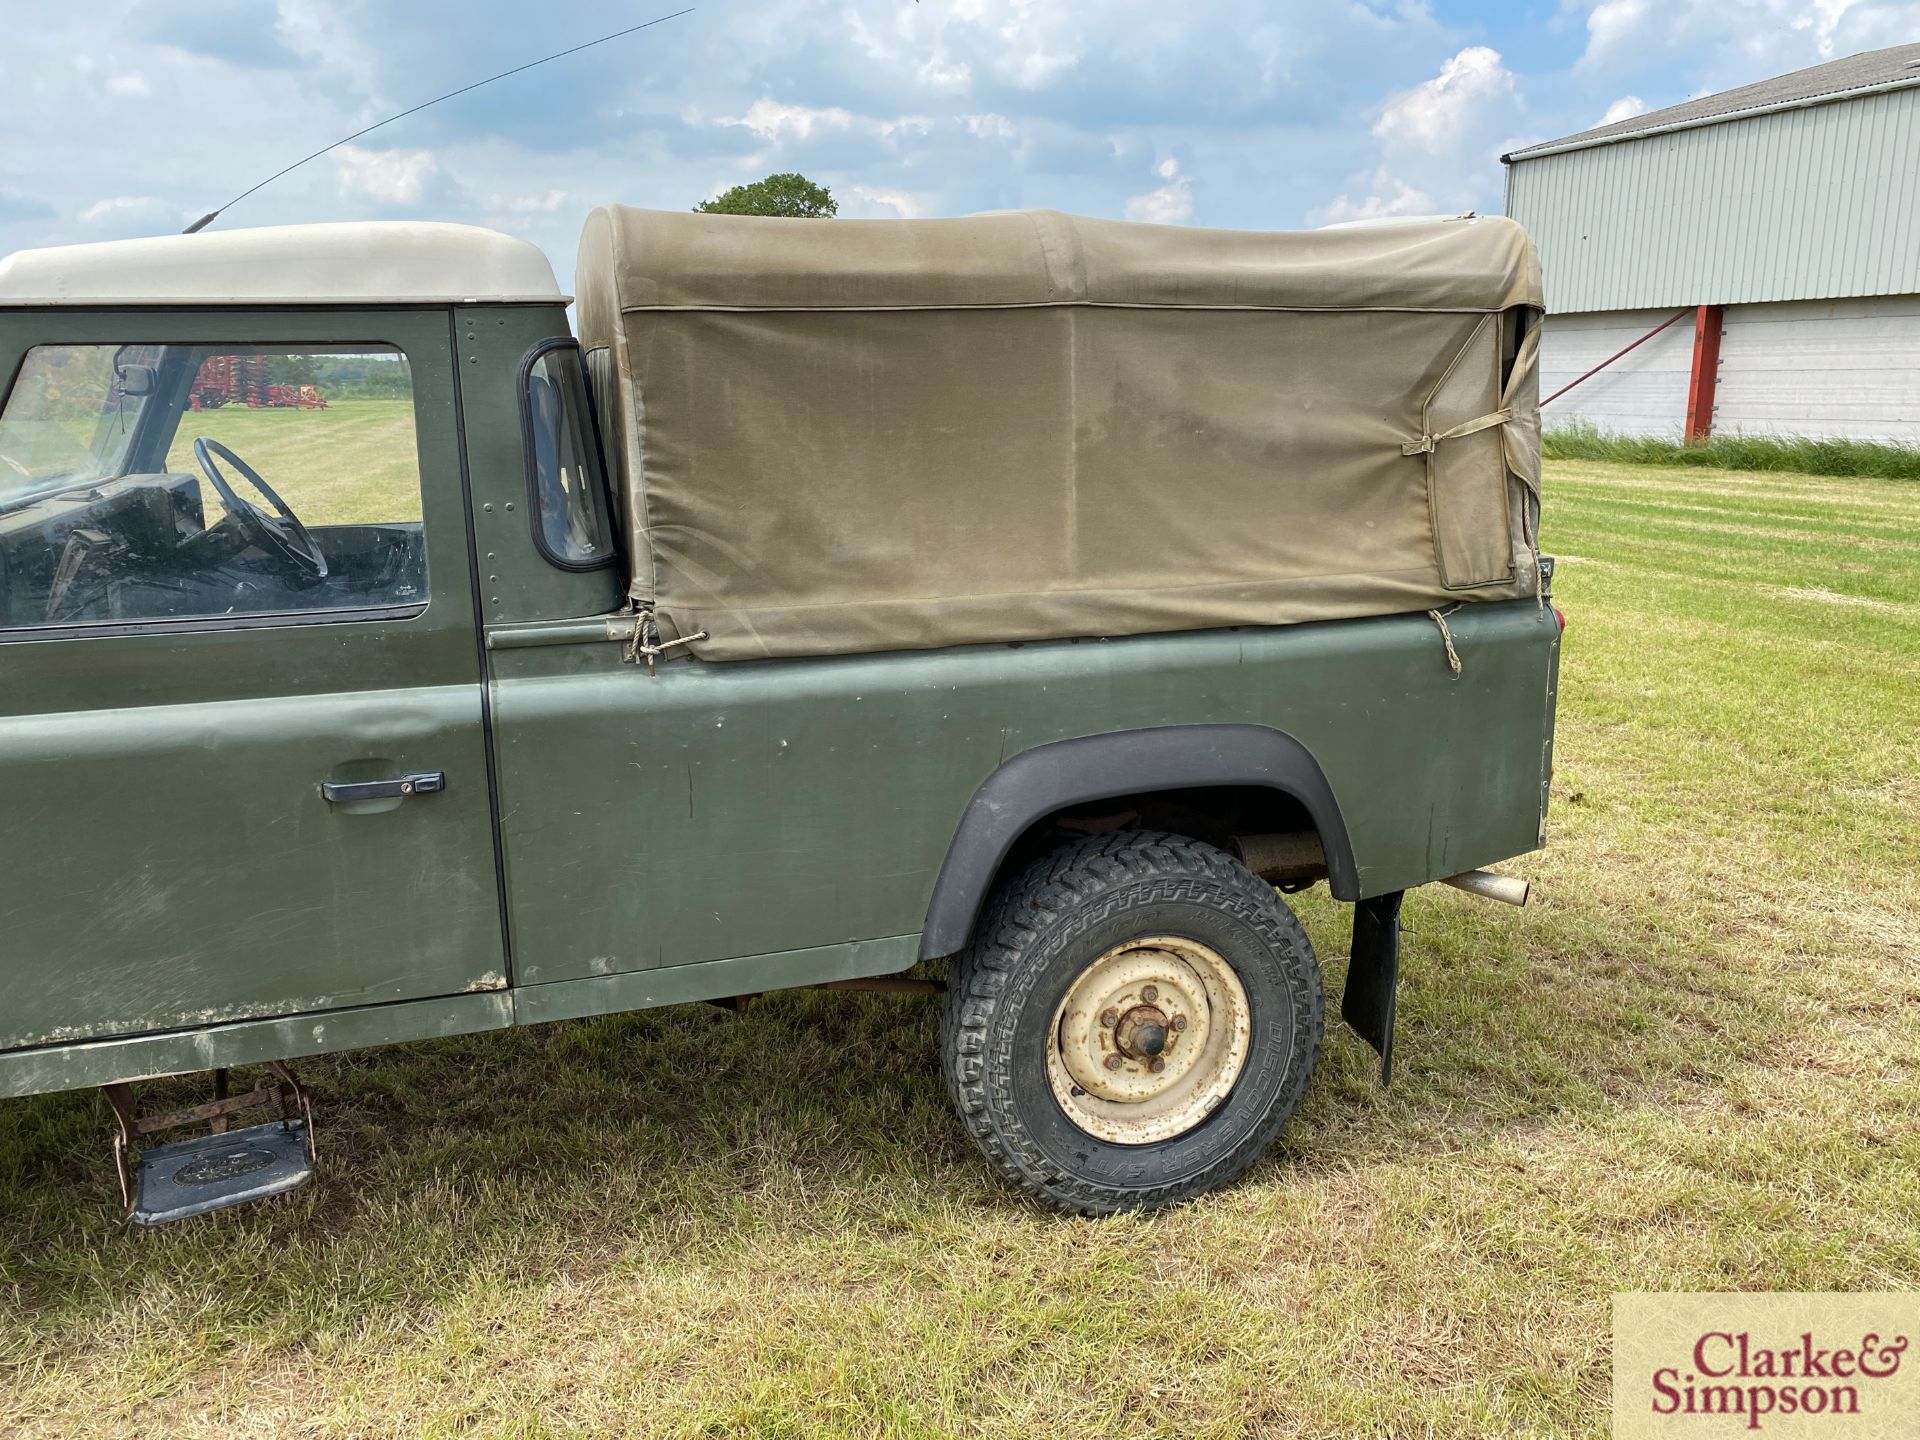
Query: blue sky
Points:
[130, 117]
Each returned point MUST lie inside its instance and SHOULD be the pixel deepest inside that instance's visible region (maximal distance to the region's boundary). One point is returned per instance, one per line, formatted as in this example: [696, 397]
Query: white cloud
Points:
[1033, 42]
[541, 204]
[988, 126]
[777, 122]
[1388, 196]
[1170, 204]
[904, 125]
[130, 86]
[1439, 144]
[389, 177]
[901, 204]
[1625, 108]
[771, 120]
[1733, 42]
[1037, 68]
[1028, 44]
[124, 206]
[1434, 115]
[1614, 26]
[944, 76]
[330, 37]
[520, 212]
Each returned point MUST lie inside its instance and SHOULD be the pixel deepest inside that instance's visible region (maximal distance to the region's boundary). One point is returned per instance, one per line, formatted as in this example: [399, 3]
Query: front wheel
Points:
[1136, 1019]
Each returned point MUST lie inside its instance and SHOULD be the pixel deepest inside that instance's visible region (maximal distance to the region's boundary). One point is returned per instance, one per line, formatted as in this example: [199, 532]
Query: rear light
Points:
[1561, 616]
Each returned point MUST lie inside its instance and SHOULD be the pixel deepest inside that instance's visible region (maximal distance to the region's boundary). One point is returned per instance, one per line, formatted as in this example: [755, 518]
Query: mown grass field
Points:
[1690, 1065]
[353, 463]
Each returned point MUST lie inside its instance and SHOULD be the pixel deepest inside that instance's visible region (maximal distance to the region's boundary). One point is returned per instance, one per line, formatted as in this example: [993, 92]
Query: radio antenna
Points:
[212, 215]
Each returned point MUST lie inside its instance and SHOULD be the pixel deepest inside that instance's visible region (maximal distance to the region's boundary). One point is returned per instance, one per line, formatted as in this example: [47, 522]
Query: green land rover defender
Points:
[1021, 601]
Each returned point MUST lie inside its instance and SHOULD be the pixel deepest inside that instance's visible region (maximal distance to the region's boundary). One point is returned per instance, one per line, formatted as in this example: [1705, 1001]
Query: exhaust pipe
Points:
[1507, 889]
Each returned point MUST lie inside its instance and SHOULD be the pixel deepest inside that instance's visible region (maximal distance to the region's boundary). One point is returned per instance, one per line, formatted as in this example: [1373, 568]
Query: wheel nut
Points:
[1158, 1065]
[1109, 1017]
[1149, 993]
[1179, 1022]
[1114, 1062]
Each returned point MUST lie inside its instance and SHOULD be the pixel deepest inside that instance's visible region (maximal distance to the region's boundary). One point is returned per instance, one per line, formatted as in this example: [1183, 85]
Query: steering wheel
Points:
[279, 533]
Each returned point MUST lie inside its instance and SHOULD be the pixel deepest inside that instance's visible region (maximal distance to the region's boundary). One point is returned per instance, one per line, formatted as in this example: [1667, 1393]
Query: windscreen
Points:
[71, 414]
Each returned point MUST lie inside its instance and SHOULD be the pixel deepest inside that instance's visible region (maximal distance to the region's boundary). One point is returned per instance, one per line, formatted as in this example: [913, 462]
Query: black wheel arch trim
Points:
[1050, 777]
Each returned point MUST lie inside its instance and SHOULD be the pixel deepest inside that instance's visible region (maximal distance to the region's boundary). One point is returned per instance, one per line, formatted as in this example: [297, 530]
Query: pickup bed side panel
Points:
[717, 811]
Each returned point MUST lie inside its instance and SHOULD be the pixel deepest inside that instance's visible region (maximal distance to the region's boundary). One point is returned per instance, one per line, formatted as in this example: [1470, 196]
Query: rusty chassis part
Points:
[1284, 858]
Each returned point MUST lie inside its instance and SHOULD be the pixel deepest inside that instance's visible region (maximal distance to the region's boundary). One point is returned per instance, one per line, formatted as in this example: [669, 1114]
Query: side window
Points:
[179, 482]
[564, 473]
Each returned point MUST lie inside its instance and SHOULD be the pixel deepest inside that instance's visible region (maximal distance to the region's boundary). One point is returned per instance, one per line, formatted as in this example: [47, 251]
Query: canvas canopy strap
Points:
[1424, 445]
[847, 436]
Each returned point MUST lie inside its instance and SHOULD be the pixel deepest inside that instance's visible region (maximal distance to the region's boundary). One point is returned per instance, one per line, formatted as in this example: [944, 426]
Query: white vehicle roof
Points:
[369, 262]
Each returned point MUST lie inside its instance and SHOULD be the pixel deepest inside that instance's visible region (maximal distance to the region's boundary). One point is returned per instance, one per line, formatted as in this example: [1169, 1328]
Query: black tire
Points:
[1040, 932]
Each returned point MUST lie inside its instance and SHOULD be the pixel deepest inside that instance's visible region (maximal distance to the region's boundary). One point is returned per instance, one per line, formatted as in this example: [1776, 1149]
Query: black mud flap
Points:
[1373, 975]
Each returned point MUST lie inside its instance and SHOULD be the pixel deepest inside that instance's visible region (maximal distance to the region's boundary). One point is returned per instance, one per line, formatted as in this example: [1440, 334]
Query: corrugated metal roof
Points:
[1871, 69]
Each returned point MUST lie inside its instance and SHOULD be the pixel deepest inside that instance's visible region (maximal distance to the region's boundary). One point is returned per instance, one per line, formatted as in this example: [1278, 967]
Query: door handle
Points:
[426, 782]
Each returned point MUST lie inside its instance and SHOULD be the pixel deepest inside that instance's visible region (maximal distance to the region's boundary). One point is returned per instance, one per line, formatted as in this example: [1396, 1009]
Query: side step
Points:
[211, 1172]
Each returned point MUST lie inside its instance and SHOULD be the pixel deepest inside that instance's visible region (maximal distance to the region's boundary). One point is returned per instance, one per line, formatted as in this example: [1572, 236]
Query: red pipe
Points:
[1615, 356]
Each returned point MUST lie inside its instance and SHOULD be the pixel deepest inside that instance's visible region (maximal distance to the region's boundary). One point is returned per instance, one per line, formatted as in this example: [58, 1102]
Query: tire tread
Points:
[1017, 917]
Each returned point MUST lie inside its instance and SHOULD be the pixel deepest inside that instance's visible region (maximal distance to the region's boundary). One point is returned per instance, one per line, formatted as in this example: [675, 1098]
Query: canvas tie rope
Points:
[1439, 617]
[645, 642]
[1424, 445]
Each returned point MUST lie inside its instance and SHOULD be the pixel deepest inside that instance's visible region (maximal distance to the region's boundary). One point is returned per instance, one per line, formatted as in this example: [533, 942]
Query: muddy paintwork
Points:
[175, 894]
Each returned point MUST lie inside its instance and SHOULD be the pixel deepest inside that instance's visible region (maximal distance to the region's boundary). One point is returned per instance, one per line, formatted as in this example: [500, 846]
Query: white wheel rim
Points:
[1149, 1040]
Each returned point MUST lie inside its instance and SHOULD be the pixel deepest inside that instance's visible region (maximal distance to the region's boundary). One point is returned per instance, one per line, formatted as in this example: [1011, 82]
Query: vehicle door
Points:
[242, 766]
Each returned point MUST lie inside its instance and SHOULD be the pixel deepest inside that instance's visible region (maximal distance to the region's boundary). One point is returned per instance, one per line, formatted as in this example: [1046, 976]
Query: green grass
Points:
[355, 462]
[1765, 453]
[1691, 1064]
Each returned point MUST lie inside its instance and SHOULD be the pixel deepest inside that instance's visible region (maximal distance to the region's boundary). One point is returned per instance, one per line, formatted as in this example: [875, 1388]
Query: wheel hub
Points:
[1142, 1033]
[1149, 1040]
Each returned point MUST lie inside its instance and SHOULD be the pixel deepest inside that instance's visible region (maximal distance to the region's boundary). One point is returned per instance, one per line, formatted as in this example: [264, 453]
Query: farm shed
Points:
[1775, 225]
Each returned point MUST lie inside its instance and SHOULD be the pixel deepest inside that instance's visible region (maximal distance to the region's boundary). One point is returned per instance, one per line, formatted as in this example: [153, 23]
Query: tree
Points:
[293, 369]
[791, 196]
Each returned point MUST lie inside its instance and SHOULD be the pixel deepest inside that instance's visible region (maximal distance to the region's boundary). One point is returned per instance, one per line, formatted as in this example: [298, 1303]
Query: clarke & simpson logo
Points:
[1733, 1375]
[1780, 1364]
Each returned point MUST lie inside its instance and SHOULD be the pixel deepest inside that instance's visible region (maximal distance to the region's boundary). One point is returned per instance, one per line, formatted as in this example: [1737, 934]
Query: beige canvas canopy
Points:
[854, 435]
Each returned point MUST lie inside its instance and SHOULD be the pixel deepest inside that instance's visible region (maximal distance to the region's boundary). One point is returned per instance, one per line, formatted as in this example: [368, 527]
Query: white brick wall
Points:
[1643, 394]
[1840, 369]
[1846, 369]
